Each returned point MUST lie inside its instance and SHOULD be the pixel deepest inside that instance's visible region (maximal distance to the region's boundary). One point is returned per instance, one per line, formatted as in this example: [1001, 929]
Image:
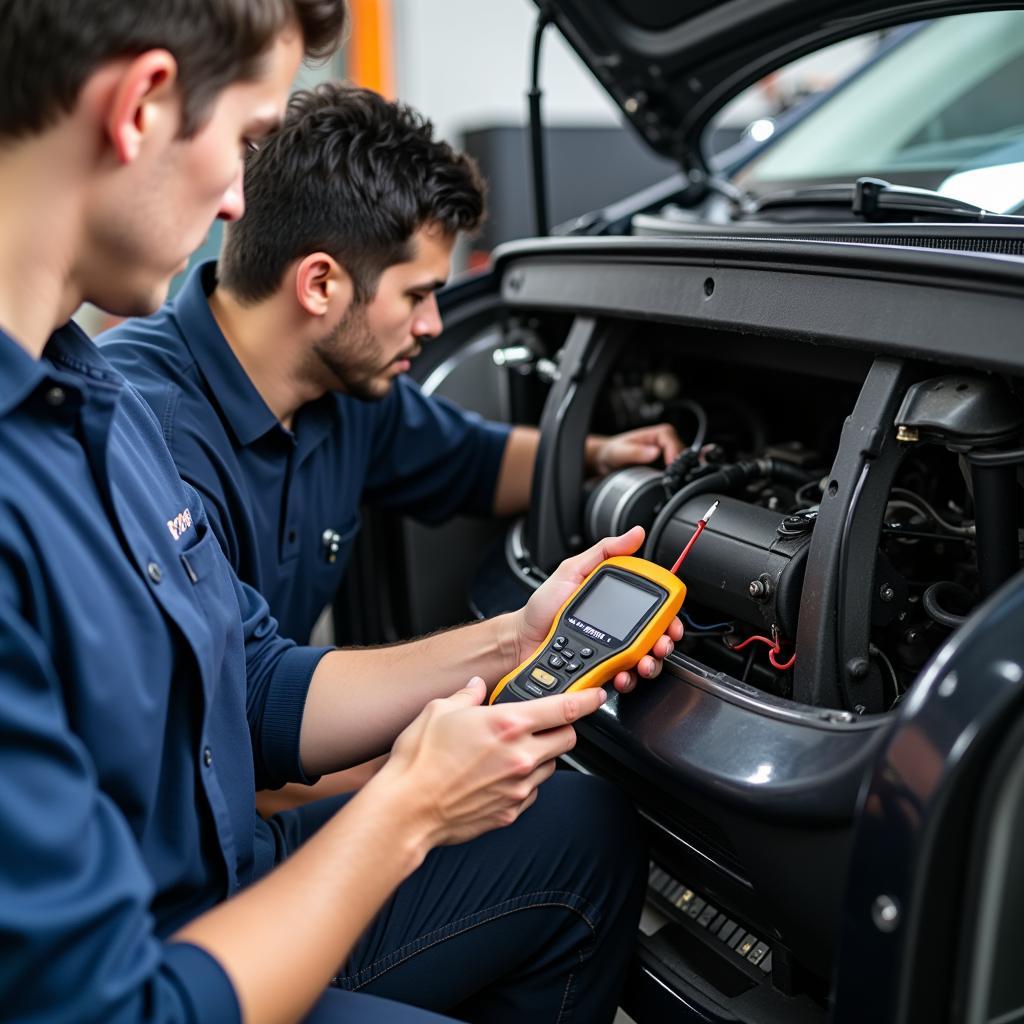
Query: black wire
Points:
[798, 495]
[697, 411]
[540, 192]
[890, 669]
[747, 664]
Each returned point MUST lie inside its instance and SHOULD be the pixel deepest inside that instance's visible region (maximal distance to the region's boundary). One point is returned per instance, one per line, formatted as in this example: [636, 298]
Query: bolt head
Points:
[857, 668]
[885, 913]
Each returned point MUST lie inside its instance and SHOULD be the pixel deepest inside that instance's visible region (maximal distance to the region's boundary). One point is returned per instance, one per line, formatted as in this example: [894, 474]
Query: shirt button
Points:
[154, 571]
[55, 397]
[207, 756]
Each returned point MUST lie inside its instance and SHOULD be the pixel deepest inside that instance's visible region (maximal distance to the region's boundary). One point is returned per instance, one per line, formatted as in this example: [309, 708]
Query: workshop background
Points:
[465, 64]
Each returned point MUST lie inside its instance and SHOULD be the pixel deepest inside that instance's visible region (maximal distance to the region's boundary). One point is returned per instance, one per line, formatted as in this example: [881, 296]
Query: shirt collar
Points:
[243, 406]
[68, 348]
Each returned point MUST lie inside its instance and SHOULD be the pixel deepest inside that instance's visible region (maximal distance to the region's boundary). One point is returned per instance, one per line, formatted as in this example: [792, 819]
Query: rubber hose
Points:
[787, 473]
[930, 602]
[725, 479]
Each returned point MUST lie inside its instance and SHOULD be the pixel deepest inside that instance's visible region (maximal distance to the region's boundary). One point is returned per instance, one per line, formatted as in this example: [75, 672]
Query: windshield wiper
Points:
[874, 199]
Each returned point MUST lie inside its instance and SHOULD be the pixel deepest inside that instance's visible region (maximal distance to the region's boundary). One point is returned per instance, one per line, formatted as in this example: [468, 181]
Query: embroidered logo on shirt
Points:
[180, 523]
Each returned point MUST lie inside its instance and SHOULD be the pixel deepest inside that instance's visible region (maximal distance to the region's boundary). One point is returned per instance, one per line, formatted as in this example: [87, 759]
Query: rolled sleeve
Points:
[204, 986]
[278, 674]
[281, 725]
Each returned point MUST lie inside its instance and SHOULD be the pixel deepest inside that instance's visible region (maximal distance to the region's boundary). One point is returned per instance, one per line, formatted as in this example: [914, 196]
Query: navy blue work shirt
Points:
[279, 499]
[145, 696]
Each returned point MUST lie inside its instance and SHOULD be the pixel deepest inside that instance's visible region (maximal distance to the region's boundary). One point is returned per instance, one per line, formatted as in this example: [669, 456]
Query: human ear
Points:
[143, 94]
[322, 285]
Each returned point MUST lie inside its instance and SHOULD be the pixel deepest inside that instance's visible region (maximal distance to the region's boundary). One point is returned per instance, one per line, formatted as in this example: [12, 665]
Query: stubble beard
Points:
[350, 358]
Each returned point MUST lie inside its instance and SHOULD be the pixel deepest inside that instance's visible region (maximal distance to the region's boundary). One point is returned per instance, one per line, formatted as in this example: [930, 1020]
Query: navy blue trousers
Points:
[534, 922]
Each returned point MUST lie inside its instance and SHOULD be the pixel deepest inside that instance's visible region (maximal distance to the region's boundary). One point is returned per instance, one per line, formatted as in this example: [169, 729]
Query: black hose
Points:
[698, 413]
[787, 473]
[1004, 458]
[725, 479]
[996, 524]
[930, 603]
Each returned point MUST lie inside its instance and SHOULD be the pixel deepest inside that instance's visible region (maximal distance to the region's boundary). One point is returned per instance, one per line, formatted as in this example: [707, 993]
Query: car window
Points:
[943, 109]
[768, 105]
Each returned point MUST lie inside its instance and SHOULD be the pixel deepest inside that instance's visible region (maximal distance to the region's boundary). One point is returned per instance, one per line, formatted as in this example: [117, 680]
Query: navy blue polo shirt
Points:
[145, 696]
[279, 499]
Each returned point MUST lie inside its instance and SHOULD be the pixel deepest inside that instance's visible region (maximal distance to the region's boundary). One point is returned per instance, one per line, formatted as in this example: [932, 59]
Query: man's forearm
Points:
[361, 699]
[515, 477]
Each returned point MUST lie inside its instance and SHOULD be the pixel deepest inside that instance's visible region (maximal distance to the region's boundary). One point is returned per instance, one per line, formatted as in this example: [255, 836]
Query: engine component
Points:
[622, 500]
[968, 413]
[744, 571]
[959, 409]
[744, 566]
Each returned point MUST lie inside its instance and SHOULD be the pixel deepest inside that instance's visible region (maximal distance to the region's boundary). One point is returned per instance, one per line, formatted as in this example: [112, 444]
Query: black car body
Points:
[837, 839]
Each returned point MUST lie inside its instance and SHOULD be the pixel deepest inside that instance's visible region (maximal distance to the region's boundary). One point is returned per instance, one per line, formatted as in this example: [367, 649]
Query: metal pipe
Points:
[540, 191]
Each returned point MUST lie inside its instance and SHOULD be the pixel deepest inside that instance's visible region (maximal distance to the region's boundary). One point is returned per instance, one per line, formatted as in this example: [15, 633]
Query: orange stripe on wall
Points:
[371, 46]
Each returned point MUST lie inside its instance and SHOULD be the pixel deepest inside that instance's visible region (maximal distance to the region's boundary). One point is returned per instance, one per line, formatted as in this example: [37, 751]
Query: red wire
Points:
[750, 640]
[701, 523]
[784, 665]
[774, 650]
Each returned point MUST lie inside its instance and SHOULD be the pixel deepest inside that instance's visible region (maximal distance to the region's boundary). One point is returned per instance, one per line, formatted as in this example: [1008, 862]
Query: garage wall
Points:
[466, 65]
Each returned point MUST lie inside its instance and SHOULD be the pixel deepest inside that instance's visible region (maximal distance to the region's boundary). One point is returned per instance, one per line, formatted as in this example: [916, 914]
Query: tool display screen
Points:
[614, 606]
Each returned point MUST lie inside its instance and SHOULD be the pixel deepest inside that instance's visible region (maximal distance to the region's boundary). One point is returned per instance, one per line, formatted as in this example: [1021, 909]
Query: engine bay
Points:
[857, 412]
[764, 423]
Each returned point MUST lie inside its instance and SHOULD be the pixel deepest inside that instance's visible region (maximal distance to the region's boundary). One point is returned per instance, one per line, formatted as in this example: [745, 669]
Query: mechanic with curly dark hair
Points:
[279, 375]
[288, 404]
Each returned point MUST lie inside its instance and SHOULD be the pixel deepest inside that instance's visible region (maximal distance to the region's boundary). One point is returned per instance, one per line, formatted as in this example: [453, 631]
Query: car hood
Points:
[670, 65]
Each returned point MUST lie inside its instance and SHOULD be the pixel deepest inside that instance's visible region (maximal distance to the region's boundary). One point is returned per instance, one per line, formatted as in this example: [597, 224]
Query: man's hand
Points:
[467, 768]
[534, 620]
[633, 448]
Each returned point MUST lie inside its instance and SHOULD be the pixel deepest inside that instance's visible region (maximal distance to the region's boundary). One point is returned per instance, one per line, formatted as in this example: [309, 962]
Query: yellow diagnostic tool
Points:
[610, 622]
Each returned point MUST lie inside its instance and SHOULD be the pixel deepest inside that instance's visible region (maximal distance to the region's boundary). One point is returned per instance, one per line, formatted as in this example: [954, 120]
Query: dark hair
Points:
[350, 174]
[48, 48]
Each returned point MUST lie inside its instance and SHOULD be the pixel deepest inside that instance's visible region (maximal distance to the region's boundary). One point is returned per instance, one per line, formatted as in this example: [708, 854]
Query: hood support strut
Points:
[540, 192]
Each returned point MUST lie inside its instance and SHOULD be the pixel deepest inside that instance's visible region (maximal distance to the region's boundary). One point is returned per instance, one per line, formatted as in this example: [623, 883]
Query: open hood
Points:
[670, 65]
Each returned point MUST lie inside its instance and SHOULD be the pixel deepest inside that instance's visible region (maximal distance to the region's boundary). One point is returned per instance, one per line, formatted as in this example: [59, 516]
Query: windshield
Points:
[944, 109]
